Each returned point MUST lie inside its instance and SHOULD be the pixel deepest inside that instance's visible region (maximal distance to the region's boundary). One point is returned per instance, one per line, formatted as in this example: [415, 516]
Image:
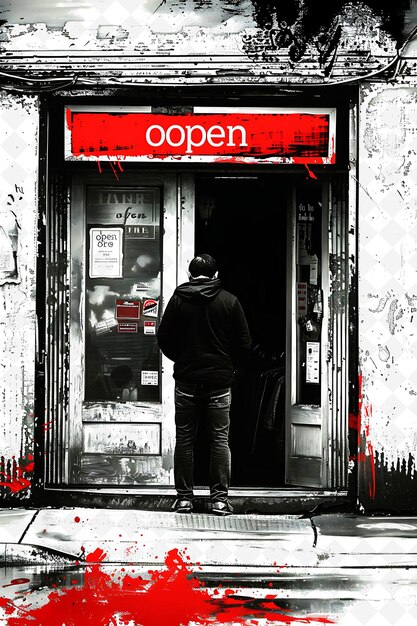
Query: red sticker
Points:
[150, 308]
[126, 309]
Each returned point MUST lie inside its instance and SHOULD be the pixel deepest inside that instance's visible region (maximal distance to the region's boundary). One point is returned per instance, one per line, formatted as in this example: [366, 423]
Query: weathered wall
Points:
[388, 296]
[18, 180]
[215, 42]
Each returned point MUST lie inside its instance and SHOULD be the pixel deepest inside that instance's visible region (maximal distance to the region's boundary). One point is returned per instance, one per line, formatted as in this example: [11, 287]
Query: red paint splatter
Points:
[95, 557]
[366, 417]
[303, 137]
[353, 422]
[172, 597]
[360, 458]
[14, 474]
[77, 520]
[362, 423]
[17, 581]
[371, 461]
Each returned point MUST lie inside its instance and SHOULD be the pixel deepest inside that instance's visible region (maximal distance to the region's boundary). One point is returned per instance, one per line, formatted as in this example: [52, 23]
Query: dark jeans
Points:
[192, 403]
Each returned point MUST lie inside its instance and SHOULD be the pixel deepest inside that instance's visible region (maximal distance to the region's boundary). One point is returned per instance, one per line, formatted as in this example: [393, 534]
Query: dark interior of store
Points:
[242, 222]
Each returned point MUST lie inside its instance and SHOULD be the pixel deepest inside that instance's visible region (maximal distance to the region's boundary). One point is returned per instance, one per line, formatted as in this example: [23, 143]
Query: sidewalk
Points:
[251, 544]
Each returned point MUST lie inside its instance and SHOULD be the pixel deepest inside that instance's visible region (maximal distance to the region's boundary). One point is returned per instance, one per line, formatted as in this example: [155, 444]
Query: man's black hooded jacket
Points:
[205, 333]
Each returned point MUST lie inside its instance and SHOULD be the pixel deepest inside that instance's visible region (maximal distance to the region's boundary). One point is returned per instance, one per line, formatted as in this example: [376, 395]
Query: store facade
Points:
[123, 180]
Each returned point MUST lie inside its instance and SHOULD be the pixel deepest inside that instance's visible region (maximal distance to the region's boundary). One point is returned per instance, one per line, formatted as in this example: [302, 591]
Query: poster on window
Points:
[106, 252]
[313, 362]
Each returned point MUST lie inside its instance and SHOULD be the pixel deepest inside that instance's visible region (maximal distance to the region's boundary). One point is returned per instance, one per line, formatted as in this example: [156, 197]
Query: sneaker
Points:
[222, 508]
[182, 506]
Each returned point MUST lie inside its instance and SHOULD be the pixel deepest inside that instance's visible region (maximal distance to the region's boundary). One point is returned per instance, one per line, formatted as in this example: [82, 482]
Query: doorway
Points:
[281, 243]
[242, 223]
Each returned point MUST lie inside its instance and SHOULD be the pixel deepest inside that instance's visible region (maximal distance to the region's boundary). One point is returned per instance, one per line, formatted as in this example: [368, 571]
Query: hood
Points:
[200, 290]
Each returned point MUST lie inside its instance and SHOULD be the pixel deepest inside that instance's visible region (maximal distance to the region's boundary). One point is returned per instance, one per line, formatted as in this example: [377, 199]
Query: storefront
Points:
[273, 145]
[134, 193]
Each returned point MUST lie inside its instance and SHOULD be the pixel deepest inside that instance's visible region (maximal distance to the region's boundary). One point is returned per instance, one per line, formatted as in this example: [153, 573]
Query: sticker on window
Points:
[150, 308]
[149, 377]
[126, 309]
[105, 326]
[128, 327]
[149, 328]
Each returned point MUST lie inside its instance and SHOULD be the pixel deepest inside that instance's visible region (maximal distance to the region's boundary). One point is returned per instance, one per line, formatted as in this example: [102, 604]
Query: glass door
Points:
[316, 353]
[120, 430]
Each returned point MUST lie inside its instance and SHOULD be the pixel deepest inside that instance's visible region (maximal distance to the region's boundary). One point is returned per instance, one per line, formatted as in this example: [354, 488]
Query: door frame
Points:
[338, 220]
[180, 239]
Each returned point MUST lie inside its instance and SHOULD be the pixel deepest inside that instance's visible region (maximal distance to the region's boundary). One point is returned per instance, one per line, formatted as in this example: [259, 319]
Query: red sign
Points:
[264, 135]
[126, 309]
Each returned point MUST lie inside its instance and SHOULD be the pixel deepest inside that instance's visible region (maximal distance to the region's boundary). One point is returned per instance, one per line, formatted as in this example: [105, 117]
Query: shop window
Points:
[122, 294]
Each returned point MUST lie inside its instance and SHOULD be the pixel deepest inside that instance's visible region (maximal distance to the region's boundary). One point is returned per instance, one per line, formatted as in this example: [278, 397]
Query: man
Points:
[205, 333]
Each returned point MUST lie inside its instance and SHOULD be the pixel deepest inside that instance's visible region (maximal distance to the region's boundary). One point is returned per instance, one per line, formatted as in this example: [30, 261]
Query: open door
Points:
[316, 352]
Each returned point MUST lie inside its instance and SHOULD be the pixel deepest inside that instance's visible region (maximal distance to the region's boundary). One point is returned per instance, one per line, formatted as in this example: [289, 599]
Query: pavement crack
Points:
[314, 527]
[28, 525]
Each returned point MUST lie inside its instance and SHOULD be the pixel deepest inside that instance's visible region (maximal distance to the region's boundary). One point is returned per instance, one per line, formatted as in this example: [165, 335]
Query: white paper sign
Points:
[313, 362]
[105, 326]
[149, 377]
[314, 266]
[106, 252]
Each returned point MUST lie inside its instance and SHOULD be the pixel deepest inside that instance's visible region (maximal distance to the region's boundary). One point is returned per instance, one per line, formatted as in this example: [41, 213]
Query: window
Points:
[122, 294]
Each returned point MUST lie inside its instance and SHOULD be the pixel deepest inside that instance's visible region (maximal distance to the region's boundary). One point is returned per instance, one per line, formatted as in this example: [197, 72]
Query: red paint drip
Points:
[355, 420]
[114, 170]
[173, 597]
[372, 483]
[310, 173]
[360, 458]
[362, 422]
